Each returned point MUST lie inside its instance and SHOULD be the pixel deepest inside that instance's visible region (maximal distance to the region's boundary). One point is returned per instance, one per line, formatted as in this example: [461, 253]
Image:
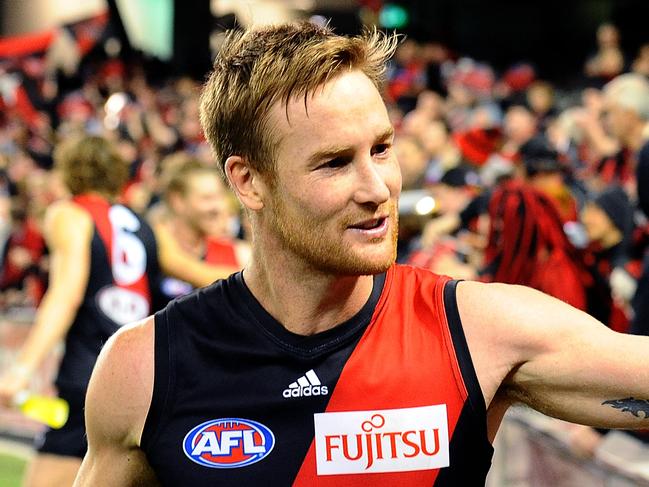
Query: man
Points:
[104, 259]
[196, 213]
[608, 221]
[323, 363]
[626, 104]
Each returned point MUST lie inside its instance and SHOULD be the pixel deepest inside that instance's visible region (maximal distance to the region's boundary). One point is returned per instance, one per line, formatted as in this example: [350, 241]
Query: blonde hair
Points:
[630, 91]
[264, 65]
[176, 179]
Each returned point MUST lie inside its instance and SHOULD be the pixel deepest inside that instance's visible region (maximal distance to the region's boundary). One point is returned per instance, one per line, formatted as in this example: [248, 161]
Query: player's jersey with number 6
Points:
[123, 266]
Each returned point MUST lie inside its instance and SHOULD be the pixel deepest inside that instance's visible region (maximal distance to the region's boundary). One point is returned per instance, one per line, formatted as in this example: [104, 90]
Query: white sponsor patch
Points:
[388, 440]
[122, 305]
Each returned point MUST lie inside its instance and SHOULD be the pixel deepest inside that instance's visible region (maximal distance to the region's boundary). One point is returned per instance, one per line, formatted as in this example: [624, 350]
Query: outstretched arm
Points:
[117, 403]
[533, 348]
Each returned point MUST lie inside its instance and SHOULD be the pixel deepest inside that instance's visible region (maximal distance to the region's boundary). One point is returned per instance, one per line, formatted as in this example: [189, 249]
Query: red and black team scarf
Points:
[527, 245]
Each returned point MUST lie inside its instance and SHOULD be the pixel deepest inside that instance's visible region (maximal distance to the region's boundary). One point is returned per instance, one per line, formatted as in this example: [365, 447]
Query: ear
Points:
[246, 182]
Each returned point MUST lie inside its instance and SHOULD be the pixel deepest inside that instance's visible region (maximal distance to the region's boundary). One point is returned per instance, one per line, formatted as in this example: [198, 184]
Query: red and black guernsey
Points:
[388, 398]
[123, 260]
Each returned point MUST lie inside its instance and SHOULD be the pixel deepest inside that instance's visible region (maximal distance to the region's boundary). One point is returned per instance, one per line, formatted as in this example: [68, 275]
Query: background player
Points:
[196, 211]
[104, 259]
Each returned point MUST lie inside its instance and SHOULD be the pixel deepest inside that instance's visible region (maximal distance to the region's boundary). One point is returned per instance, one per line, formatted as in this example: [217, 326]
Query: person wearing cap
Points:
[608, 222]
[544, 173]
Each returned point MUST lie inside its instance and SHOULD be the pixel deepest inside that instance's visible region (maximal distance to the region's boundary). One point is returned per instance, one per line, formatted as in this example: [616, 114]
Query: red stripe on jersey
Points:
[99, 209]
[221, 252]
[405, 359]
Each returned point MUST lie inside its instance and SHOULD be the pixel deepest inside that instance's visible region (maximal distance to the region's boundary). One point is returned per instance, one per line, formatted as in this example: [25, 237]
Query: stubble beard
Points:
[306, 240]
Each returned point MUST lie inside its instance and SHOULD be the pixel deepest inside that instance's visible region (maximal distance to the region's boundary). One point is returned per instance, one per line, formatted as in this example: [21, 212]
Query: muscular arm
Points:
[68, 231]
[535, 349]
[117, 403]
[177, 263]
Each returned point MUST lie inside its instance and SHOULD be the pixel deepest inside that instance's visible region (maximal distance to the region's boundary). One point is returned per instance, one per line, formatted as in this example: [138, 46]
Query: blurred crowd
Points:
[512, 179]
[506, 176]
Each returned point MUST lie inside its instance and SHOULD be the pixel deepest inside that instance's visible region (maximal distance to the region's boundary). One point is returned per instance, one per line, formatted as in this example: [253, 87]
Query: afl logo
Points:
[228, 443]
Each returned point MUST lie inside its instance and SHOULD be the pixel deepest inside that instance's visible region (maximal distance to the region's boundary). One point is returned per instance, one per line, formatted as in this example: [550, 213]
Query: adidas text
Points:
[307, 385]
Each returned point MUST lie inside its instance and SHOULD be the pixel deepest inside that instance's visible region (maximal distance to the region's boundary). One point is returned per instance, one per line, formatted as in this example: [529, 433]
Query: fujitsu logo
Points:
[390, 440]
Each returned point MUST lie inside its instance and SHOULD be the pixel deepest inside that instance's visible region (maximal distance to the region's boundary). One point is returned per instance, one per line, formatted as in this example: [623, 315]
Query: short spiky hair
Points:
[262, 66]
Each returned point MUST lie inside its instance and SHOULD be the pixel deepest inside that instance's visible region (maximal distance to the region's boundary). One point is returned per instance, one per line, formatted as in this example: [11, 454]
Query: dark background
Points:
[555, 35]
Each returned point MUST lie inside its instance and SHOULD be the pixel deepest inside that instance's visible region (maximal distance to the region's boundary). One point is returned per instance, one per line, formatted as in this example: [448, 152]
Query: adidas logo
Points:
[305, 386]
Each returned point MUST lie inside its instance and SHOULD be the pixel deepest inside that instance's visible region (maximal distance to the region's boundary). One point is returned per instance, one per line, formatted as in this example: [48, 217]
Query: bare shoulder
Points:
[518, 315]
[121, 387]
[65, 209]
[117, 403]
[64, 217]
[507, 326]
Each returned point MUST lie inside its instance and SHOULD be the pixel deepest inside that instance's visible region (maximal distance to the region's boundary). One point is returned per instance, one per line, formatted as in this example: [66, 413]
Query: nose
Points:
[374, 181]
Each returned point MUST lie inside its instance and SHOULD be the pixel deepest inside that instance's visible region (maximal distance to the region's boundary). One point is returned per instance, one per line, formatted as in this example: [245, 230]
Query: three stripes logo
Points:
[306, 386]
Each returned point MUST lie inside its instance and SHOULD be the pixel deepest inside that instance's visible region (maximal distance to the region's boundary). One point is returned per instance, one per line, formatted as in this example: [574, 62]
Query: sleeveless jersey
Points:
[389, 397]
[123, 260]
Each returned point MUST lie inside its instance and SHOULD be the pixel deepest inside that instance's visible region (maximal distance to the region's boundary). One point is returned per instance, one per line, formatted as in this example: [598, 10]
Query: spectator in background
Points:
[608, 222]
[441, 248]
[452, 194]
[442, 153]
[626, 110]
[406, 76]
[434, 55]
[470, 85]
[641, 62]
[22, 268]
[511, 88]
[527, 243]
[540, 99]
[626, 105]
[608, 61]
[544, 173]
[519, 126]
[429, 108]
[412, 161]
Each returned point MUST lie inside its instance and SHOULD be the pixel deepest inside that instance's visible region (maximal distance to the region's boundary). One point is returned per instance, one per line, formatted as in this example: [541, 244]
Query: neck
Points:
[306, 301]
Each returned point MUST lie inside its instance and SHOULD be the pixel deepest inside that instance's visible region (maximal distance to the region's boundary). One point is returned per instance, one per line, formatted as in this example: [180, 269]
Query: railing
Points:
[532, 450]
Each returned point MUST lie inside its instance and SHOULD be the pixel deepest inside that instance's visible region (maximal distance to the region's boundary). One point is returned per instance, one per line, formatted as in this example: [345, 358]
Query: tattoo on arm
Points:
[630, 405]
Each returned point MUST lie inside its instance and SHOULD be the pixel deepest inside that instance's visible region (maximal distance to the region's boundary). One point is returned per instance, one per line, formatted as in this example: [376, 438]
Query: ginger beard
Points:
[331, 201]
[308, 238]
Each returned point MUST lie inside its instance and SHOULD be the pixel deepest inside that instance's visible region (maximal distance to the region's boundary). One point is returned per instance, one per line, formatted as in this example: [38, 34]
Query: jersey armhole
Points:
[465, 363]
[163, 378]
